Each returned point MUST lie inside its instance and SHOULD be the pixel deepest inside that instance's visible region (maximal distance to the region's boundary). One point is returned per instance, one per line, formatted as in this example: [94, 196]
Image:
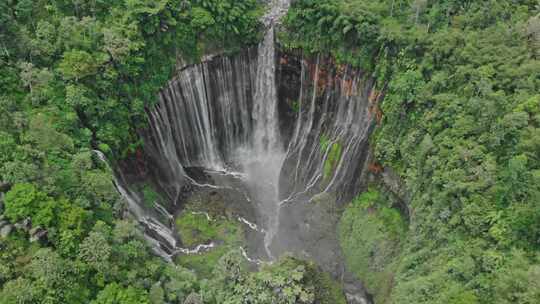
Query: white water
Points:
[163, 236]
[261, 160]
[263, 157]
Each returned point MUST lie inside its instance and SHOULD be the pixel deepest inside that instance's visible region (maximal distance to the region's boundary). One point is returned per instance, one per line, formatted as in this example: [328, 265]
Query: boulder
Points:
[24, 225]
[395, 184]
[38, 234]
[6, 231]
[355, 292]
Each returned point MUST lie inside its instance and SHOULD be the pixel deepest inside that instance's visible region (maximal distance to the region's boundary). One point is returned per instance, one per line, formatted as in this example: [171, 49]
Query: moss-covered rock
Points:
[197, 228]
[370, 234]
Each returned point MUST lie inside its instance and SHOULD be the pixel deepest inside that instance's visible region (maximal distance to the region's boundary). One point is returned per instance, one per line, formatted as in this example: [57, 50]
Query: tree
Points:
[78, 64]
[533, 33]
[95, 251]
[37, 80]
[42, 132]
[179, 282]
[25, 200]
[118, 43]
[115, 294]
[18, 291]
[518, 281]
[156, 295]
[55, 280]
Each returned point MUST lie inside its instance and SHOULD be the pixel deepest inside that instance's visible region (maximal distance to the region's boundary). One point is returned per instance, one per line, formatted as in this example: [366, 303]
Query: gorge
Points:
[269, 151]
[272, 132]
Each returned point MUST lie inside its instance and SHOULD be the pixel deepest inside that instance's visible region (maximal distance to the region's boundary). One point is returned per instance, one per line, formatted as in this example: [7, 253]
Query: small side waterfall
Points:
[156, 223]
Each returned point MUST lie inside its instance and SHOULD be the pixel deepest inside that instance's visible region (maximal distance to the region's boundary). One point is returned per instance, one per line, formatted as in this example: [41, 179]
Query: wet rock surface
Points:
[38, 234]
[24, 225]
[310, 227]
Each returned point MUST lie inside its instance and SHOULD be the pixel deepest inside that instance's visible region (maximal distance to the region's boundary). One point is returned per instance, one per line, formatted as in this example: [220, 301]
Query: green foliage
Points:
[76, 76]
[461, 125]
[371, 235]
[115, 294]
[108, 60]
[295, 106]
[25, 201]
[339, 27]
[518, 281]
[327, 290]
[287, 281]
[195, 229]
[151, 196]
[77, 64]
[333, 155]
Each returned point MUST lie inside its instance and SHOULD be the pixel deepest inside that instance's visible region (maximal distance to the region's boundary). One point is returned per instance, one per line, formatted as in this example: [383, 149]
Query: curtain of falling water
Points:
[262, 159]
[223, 115]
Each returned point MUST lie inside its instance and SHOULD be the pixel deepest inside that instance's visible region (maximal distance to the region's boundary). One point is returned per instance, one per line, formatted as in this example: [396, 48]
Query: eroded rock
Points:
[38, 234]
[24, 225]
[6, 230]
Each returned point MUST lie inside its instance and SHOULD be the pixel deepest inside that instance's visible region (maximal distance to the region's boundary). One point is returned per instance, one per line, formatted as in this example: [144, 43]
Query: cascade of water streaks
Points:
[202, 117]
[333, 118]
[162, 238]
[205, 111]
[158, 234]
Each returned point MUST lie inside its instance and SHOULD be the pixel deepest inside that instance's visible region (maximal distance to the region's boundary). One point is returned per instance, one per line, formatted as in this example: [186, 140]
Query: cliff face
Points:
[333, 114]
[212, 129]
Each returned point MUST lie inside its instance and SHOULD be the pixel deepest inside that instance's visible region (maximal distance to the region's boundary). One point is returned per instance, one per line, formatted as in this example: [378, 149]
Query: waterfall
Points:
[266, 138]
[223, 116]
[263, 159]
[327, 149]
